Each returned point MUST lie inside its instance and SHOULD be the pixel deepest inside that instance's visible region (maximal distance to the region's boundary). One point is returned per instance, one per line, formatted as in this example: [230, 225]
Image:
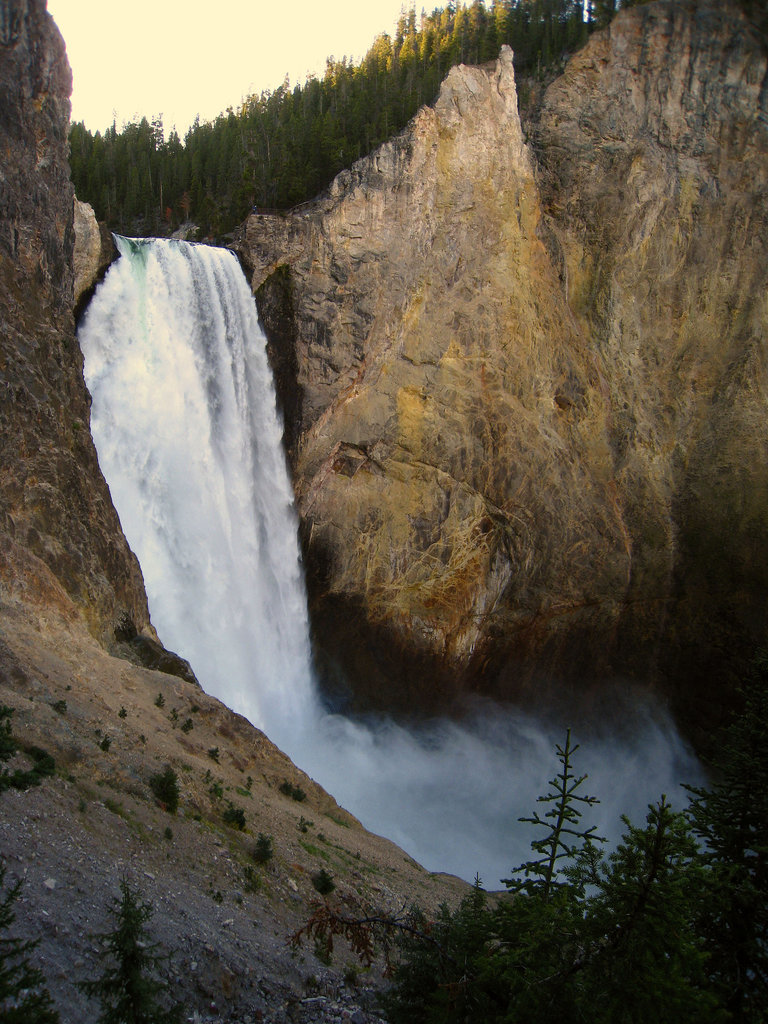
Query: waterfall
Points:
[186, 428]
[189, 439]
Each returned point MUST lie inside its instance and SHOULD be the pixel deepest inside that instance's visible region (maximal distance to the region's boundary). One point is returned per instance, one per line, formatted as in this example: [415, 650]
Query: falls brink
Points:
[185, 423]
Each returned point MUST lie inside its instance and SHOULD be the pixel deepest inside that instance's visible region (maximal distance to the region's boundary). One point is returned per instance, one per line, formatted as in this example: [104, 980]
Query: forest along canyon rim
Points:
[184, 420]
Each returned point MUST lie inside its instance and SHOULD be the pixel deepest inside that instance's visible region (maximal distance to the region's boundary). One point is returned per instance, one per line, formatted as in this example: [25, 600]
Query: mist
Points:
[451, 793]
[185, 424]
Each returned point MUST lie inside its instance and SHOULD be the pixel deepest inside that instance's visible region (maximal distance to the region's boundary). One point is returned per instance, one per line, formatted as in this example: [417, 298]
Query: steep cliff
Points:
[527, 376]
[60, 539]
[658, 185]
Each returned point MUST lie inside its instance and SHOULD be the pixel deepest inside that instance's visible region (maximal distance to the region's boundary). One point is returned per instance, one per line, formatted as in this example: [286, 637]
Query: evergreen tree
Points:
[520, 959]
[731, 819]
[24, 998]
[129, 989]
[643, 958]
[565, 837]
[582, 937]
[435, 975]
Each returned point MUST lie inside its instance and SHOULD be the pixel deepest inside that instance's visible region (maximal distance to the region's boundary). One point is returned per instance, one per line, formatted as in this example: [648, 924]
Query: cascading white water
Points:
[185, 424]
[189, 439]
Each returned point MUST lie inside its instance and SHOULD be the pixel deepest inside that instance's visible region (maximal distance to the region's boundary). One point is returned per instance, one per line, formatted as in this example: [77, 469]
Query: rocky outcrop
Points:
[528, 432]
[93, 253]
[60, 539]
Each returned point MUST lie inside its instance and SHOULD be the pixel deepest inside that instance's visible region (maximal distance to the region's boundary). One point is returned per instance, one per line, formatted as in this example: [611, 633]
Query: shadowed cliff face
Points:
[657, 182]
[60, 539]
[528, 422]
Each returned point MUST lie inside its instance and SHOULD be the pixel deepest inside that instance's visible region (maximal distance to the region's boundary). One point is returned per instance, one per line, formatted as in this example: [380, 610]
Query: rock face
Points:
[665, 265]
[525, 380]
[93, 253]
[60, 539]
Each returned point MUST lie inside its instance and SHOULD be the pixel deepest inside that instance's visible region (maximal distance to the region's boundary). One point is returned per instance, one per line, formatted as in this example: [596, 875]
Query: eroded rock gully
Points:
[524, 377]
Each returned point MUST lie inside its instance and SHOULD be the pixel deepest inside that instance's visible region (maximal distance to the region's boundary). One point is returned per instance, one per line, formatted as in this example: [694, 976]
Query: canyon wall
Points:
[523, 374]
[61, 544]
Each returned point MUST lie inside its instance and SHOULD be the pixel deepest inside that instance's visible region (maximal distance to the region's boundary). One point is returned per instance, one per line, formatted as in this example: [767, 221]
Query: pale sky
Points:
[180, 58]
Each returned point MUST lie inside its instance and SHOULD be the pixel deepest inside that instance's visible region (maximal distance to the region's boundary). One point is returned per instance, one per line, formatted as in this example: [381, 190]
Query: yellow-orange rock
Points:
[525, 378]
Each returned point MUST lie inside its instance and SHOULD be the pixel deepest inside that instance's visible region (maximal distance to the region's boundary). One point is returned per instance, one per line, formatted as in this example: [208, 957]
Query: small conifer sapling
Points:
[129, 989]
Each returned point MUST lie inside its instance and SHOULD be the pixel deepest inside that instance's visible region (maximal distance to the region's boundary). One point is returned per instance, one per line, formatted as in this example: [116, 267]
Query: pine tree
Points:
[24, 998]
[436, 977]
[565, 837]
[642, 958]
[520, 959]
[128, 988]
[583, 937]
[731, 819]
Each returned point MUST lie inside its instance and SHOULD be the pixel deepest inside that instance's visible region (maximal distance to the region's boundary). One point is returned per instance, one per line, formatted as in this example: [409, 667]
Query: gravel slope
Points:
[225, 918]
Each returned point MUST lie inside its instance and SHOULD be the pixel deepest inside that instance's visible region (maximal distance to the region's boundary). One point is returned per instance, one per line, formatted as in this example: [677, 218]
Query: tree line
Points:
[283, 146]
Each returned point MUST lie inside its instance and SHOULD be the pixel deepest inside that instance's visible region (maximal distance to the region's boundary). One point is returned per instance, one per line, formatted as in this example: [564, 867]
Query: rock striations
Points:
[60, 539]
[524, 378]
[658, 184]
